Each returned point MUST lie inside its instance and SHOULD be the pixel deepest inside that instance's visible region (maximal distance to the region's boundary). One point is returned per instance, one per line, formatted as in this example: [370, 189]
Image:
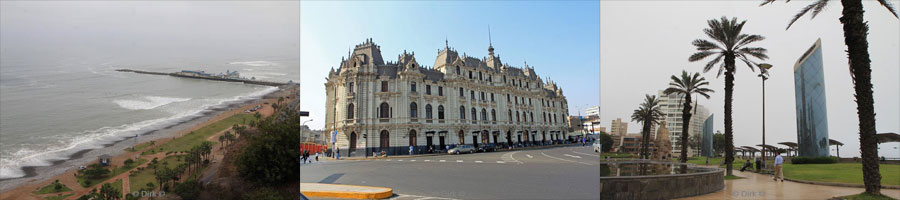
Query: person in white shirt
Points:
[779, 163]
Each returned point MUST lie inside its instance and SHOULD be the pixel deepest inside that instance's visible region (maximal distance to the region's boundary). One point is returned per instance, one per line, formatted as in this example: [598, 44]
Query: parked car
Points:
[463, 148]
[487, 147]
[597, 146]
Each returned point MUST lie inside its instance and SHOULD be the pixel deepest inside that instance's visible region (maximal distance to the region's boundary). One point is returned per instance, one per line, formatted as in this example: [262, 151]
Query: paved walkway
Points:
[758, 186]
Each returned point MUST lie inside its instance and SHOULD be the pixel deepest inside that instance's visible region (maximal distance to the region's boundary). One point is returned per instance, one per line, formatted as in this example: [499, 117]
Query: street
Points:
[552, 173]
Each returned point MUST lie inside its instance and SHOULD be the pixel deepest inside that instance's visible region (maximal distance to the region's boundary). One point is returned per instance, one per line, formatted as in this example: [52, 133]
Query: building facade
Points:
[671, 107]
[809, 92]
[706, 143]
[380, 106]
[592, 111]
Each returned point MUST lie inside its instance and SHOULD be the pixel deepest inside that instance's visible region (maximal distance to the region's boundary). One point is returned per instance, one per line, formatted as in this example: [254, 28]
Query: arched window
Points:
[493, 115]
[384, 110]
[427, 111]
[412, 137]
[483, 114]
[353, 141]
[457, 70]
[474, 114]
[462, 112]
[413, 110]
[385, 140]
[350, 111]
[440, 112]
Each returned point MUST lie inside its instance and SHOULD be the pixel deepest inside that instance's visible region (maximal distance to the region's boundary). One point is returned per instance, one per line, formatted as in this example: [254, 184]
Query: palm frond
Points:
[721, 69]
[749, 39]
[700, 55]
[713, 62]
[704, 45]
[888, 5]
[806, 9]
[766, 2]
[749, 63]
[757, 52]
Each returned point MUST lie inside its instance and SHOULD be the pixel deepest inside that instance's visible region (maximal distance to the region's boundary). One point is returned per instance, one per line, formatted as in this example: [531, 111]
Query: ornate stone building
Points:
[389, 106]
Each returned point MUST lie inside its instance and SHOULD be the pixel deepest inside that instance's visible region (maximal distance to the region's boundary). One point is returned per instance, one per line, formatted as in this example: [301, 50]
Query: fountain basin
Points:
[657, 180]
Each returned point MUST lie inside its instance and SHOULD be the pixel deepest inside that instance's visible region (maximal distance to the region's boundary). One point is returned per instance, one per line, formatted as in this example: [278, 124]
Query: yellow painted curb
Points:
[388, 192]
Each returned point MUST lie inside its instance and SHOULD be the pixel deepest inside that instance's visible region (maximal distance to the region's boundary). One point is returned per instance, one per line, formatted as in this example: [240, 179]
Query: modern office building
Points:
[809, 92]
[592, 111]
[390, 106]
[671, 107]
[706, 141]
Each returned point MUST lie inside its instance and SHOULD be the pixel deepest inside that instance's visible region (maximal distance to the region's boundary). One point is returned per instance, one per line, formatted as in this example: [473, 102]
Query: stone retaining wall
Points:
[662, 186]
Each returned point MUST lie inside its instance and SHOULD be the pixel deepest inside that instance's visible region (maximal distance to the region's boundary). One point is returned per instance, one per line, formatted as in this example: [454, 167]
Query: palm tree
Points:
[731, 45]
[648, 113]
[855, 37]
[686, 86]
[222, 140]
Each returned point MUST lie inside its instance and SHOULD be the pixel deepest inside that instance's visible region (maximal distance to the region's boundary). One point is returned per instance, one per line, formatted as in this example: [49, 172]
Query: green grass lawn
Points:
[865, 196]
[112, 172]
[140, 179]
[118, 185]
[138, 147]
[51, 189]
[840, 173]
[190, 140]
[58, 197]
[732, 177]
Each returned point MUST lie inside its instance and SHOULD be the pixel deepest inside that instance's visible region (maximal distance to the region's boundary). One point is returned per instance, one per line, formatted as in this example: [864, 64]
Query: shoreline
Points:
[61, 167]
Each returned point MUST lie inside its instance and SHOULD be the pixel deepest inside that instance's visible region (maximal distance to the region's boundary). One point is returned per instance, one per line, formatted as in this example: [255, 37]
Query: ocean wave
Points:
[11, 164]
[260, 63]
[148, 102]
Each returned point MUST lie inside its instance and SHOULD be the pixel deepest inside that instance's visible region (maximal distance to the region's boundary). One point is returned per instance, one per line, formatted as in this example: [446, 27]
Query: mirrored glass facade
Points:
[809, 88]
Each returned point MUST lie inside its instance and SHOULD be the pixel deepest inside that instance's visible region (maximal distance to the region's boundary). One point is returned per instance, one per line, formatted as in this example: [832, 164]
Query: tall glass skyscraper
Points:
[809, 90]
[706, 144]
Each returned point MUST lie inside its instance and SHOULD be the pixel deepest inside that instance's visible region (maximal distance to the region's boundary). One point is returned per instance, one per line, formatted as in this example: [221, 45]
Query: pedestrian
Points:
[410, 150]
[779, 163]
[747, 165]
[758, 164]
[317, 156]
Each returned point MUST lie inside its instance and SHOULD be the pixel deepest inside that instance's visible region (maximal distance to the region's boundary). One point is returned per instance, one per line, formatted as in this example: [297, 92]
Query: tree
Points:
[95, 171]
[272, 156]
[686, 86]
[732, 45]
[648, 114]
[694, 142]
[188, 190]
[855, 37]
[719, 142]
[606, 140]
[222, 140]
[129, 162]
[264, 194]
[108, 192]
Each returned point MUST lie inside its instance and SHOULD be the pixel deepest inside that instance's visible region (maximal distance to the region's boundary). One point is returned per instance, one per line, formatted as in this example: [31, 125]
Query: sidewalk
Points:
[322, 157]
[312, 190]
[759, 186]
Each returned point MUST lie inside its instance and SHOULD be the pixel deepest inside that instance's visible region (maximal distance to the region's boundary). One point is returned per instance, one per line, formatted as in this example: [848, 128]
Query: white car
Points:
[597, 146]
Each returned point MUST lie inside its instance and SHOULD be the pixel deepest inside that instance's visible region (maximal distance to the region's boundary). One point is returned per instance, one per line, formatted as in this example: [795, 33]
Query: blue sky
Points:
[560, 39]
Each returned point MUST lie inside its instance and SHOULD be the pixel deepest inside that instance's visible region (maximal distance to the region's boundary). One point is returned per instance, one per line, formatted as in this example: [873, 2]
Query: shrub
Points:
[814, 160]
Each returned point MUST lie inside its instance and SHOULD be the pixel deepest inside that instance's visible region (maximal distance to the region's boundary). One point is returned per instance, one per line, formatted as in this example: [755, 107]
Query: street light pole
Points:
[764, 75]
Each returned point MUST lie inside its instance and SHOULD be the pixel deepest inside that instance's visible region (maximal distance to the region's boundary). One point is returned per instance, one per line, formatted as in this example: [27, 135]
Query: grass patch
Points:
[51, 188]
[88, 182]
[140, 178]
[840, 173]
[140, 146]
[699, 160]
[58, 197]
[865, 196]
[198, 136]
[118, 185]
[733, 177]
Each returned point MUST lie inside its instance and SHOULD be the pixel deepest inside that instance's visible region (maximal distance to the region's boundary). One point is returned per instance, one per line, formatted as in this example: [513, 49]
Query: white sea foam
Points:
[147, 102]
[260, 63]
[11, 165]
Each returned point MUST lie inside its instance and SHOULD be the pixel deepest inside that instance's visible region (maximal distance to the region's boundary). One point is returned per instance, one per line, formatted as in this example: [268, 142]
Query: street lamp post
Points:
[764, 75]
[301, 129]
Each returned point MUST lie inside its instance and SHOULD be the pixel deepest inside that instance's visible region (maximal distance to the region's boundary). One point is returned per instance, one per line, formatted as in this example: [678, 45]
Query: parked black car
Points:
[487, 147]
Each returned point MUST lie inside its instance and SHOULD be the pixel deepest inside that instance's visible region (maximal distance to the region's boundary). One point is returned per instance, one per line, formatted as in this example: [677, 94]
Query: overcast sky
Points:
[645, 42]
[559, 39]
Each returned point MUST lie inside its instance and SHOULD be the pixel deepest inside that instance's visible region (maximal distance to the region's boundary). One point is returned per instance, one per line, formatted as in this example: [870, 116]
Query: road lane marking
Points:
[585, 154]
[443, 160]
[478, 161]
[412, 160]
[501, 162]
[427, 160]
[529, 155]
[400, 160]
[542, 152]
[508, 157]
[459, 161]
[572, 156]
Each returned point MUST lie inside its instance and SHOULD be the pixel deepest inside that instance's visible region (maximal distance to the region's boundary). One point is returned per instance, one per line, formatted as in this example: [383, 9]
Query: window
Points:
[470, 74]
[440, 90]
[482, 96]
[483, 114]
[531, 114]
[493, 115]
[350, 111]
[350, 87]
[472, 94]
[385, 109]
[516, 99]
[474, 114]
[457, 70]
[504, 78]
[440, 112]
[412, 86]
[413, 110]
[492, 97]
[507, 98]
[480, 77]
[461, 92]
[384, 86]
[517, 116]
[428, 111]
[428, 89]
[489, 78]
[544, 117]
[529, 101]
[462, 112]
[509, 112]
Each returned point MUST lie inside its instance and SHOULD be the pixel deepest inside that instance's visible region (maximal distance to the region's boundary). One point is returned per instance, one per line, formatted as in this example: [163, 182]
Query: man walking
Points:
[778, 165]
[410, 150]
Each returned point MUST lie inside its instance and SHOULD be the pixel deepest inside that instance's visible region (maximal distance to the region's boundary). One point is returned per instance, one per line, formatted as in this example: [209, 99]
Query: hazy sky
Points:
[559, 39]
[645, 42]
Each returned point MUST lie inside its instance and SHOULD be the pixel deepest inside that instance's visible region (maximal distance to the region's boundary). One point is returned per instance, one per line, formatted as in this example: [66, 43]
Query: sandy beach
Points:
[22, 188]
